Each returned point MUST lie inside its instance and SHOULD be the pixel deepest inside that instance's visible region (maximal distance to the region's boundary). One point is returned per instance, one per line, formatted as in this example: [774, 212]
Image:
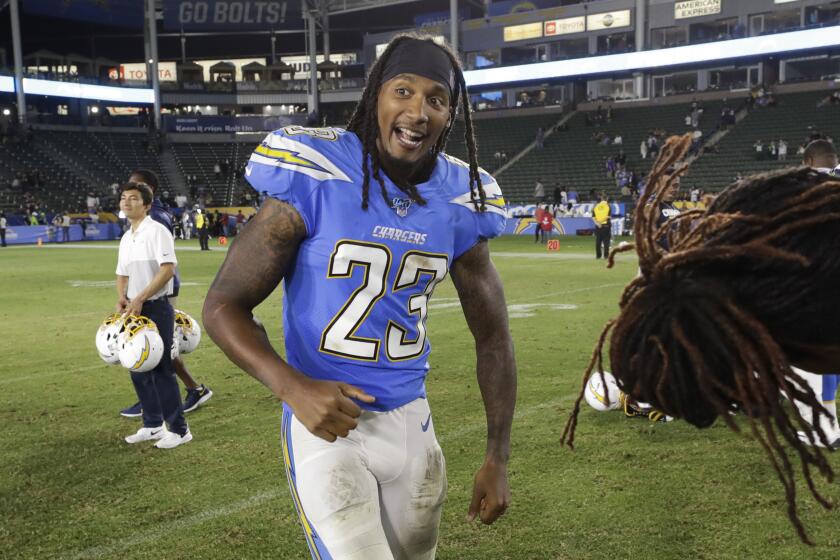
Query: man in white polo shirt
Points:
[145, 268]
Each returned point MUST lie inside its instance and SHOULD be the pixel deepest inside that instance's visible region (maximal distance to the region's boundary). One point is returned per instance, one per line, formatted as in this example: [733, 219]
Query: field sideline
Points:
[71, 489]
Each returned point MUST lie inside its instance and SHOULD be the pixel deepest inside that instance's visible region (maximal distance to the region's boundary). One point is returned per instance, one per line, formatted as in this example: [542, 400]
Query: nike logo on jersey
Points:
[425, 425]
[248, 171]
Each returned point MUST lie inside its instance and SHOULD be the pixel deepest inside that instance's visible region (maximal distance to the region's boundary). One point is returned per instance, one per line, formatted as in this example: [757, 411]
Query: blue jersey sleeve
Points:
[290, 163]
[159, 212]
[473, 225]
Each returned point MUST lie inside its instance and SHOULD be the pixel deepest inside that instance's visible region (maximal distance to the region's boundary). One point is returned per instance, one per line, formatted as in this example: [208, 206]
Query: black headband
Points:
[424, 58]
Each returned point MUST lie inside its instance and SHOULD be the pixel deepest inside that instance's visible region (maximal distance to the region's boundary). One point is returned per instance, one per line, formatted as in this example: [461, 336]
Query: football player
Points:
[197, 394]
[358, 267]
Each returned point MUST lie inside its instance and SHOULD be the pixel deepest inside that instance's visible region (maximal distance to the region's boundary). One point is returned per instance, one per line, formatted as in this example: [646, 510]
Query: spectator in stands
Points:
[696, 140]
[556, 198]
[653, 145]
[504, 157]
[773, 149]
[3, 223]
[759, 149]
[217, 169]
[497, 158]
[782, 150]
[694, 195]
[540, 139]
[539, 191]
[643, 149]
[621, 158]
[610, 166]
[618, 140]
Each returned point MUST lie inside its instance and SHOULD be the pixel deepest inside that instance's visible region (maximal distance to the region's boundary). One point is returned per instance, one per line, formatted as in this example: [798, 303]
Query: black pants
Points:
[158, 389]
[2, 237]
[602, 240]
[203, 238]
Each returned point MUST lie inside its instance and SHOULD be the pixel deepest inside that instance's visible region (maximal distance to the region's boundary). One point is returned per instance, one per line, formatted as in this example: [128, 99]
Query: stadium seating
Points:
[510, 134]
[70, 164]
[571, 157]
[794, 117]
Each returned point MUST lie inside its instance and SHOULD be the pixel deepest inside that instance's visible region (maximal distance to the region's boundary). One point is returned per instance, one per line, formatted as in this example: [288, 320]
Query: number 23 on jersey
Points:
[418, 270]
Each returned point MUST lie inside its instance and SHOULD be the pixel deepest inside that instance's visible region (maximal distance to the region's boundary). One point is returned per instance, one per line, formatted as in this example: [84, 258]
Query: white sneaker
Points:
[174, 440]
[146, 434]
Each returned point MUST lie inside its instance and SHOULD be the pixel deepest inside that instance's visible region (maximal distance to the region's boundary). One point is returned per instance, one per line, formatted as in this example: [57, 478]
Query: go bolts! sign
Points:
[221, 15]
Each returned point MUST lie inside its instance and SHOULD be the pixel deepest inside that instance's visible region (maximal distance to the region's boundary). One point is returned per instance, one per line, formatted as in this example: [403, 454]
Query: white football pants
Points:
[376, 494]
[828, 425]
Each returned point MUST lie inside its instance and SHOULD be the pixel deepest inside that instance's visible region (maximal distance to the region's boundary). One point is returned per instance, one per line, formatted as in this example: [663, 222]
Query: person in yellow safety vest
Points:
[601, 216]
[201, 226]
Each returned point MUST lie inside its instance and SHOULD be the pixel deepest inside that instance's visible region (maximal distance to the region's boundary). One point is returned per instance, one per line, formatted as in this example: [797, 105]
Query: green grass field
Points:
[70, 488]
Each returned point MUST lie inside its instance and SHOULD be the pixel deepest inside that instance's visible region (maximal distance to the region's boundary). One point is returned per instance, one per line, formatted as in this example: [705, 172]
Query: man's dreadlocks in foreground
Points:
[364, 124]
[713, 325]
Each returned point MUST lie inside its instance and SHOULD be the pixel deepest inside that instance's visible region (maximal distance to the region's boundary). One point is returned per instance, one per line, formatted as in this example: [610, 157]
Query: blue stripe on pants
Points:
[829, 386]
[316, 547]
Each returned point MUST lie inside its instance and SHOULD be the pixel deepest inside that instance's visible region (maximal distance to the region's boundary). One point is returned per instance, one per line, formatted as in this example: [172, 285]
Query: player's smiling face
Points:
[412, 112]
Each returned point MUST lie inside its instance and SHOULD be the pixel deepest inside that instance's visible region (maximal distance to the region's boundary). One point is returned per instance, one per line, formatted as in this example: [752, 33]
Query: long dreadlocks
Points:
[364, 124]
[712, 324]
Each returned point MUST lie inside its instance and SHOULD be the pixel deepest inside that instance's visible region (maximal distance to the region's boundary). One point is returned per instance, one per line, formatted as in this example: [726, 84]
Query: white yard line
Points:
[92, 246]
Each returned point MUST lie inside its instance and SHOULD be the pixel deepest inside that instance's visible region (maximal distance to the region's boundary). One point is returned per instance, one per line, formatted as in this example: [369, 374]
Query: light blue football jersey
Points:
[356, 299]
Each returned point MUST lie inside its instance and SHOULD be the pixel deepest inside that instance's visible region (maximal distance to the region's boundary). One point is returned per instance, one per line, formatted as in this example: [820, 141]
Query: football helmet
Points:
[187, 331]
[106, 338]
[602, 392]
[175, 349]
[140, 345]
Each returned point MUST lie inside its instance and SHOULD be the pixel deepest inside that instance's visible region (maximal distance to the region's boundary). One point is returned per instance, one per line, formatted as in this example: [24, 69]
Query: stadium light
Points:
[7, 84]
[86, 91]
[6, 112]
[94, 109]
[690, 54]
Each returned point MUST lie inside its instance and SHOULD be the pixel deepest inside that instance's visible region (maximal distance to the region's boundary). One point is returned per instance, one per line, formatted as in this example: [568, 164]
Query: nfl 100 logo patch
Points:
[401, 206]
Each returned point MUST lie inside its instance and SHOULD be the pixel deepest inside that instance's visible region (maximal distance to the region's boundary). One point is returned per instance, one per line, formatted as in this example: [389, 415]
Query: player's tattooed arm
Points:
[257, 261]
[483, 300]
